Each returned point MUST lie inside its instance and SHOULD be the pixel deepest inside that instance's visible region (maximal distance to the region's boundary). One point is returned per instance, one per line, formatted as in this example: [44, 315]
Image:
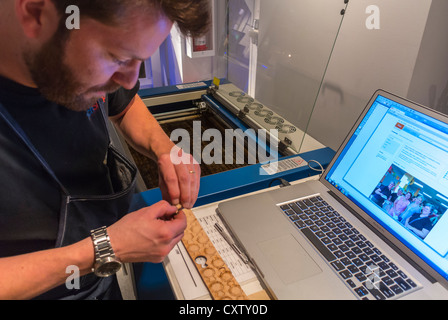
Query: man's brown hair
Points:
[191, 16]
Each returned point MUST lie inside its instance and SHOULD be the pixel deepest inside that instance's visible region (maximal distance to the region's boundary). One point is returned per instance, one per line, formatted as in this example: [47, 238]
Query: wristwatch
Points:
[106, 264]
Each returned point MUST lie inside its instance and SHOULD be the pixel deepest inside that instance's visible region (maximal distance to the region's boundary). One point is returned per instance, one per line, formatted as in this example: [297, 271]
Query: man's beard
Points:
[56, 81]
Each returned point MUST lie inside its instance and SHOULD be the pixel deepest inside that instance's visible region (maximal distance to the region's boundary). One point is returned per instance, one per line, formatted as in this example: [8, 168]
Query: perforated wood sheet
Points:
[218, 278]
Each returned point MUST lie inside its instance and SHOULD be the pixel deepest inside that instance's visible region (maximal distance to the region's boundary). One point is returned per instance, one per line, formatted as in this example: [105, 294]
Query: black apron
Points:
[80, 214]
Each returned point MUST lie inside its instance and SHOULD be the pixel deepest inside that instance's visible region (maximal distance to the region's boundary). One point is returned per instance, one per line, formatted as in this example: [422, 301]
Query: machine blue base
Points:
[152, 282]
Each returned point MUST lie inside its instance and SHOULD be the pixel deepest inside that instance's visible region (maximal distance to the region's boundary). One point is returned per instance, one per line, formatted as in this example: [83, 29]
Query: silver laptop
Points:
[374, 226]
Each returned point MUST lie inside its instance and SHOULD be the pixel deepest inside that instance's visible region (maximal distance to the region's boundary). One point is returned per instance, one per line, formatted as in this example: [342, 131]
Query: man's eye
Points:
[120, 62]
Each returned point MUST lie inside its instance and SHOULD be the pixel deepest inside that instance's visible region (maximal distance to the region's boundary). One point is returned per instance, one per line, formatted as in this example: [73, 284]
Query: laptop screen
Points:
[395, 168]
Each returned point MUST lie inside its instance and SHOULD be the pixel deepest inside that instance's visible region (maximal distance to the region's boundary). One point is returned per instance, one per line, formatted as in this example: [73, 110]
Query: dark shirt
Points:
[74, 144]
[378, 198]
[420, 223]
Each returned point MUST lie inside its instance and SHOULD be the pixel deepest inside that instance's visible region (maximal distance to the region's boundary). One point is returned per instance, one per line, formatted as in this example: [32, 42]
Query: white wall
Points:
[365, 60]
[429, 84]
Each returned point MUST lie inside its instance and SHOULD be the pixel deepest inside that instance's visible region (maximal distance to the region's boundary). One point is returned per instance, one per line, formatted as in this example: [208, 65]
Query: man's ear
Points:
[36, 17]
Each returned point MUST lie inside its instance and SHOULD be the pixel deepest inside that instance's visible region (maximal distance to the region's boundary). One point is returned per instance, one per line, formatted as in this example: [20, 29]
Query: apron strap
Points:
[12, 123]
[104, 107]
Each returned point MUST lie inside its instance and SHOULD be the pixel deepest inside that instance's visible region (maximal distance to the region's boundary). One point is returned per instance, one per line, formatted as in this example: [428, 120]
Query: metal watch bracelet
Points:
[102, 247]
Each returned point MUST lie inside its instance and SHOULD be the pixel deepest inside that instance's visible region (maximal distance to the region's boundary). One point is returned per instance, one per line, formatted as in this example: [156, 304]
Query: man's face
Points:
[426, 210]
[94, 60]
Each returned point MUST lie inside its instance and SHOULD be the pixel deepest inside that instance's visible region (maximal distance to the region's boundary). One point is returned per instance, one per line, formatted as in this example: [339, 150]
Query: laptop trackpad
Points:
[288, 258]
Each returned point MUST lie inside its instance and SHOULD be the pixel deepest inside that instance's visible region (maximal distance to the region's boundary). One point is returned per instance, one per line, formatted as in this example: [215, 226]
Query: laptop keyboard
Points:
[364, 268]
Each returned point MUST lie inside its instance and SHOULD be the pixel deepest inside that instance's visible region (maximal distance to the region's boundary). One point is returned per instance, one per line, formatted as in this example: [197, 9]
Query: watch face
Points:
[108, 268]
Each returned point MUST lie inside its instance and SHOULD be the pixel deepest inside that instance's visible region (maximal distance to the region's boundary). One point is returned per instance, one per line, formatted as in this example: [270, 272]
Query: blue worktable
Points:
[151, 279]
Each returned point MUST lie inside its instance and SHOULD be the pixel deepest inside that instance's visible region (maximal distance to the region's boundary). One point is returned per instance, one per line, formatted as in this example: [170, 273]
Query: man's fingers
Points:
[169, 181]
[162, 209]
[180, 181]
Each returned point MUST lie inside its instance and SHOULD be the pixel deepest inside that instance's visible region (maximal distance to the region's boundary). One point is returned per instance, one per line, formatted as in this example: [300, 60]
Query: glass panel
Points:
[240, 28]
[295, 40]
[276, 51]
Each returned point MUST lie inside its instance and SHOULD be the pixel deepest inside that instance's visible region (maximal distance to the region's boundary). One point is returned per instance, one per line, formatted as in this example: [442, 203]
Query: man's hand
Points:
[179, 173]
[179, 178]
[148, 234]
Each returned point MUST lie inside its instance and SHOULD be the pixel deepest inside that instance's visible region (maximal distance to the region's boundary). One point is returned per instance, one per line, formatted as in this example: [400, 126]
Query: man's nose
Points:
[127, 75]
